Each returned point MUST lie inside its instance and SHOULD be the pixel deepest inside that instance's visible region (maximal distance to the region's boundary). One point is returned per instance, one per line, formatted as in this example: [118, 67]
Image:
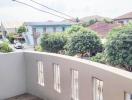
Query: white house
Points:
[12, 26]
[43, 27]
[124, 19]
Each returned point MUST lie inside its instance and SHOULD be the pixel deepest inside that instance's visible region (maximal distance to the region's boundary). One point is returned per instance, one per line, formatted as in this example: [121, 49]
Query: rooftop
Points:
[103, 28]
[125, 16]
[12, 24]
[46, 23]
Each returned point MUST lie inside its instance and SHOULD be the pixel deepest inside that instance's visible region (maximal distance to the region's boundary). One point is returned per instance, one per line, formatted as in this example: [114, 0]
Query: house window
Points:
[97, 89]
[128, 96]
[63, 28]
[44, 30]
[54, 29]
[74, 85]
[40, 73]
[57, 86]
[34, 30]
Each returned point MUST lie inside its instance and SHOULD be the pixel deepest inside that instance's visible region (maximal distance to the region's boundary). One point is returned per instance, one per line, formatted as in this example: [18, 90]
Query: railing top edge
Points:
[91, 63]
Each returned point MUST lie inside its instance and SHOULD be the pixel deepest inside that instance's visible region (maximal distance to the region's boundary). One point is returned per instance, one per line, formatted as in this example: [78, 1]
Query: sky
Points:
[10, 10]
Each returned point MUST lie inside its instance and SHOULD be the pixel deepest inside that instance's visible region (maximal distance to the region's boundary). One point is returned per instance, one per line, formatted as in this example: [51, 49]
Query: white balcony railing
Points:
[59, 77]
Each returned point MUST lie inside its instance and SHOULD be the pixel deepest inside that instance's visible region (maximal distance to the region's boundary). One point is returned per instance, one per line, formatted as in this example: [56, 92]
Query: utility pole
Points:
[2, 30]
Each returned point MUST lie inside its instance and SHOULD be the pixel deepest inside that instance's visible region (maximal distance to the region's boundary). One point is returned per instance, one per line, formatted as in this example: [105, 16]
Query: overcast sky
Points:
[77, 8]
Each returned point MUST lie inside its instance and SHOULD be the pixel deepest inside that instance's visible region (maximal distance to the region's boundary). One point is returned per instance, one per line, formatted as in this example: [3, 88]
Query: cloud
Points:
[77, 8]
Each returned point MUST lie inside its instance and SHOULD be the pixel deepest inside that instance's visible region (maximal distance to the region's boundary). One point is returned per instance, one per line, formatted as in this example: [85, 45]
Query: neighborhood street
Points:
[26, 48]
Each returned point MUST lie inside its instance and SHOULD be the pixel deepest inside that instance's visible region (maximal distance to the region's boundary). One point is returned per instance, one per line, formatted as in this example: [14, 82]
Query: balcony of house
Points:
[58, 77]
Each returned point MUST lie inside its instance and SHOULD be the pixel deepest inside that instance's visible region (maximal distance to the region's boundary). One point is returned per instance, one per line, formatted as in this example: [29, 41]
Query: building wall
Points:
[116, 81]
[11, 30]
[28, 36]
[42, 30]
[12, 75]
[124, 21]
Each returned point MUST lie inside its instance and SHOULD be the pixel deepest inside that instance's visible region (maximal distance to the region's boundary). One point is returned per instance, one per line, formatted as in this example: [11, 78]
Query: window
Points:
[128, 96]
[63, 28]
[44, 30]
[57, 86]
[97, 89]
[54, 29]
[40, 73]
[75, 87]
[34, 30]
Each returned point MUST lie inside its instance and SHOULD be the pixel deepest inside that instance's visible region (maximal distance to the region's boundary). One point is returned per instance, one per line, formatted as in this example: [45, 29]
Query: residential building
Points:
[124, 19]
[40, 28]
[12, 26]
[103, 28]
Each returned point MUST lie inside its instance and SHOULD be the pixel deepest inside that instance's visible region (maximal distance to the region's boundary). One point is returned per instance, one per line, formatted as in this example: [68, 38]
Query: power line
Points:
[42, 10]
[52, 9]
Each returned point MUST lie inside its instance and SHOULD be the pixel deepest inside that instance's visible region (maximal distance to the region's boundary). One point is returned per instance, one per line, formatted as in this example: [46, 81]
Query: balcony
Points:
[58, 77]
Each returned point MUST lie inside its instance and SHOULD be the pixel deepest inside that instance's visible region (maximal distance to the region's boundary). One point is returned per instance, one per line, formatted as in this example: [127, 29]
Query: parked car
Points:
[18, 45]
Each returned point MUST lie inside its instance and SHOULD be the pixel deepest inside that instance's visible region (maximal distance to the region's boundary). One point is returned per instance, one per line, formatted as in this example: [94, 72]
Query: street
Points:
[26, 48]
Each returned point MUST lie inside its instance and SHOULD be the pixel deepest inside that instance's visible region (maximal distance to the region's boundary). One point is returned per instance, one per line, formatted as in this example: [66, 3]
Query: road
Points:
[26, 48]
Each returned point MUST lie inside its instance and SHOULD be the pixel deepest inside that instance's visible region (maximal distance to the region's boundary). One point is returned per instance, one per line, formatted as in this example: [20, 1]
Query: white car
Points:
[18, 45]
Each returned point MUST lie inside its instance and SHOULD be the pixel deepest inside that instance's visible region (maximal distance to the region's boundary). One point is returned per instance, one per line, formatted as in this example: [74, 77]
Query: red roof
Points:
[125, 16]
[103, 28]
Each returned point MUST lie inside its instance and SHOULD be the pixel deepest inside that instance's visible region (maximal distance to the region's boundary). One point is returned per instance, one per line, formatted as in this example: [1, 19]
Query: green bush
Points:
[85, 41]
[21, 30]
[75, 29]
[11, 37]
[119, 47]
[53, 42]
[100, 57]
[38, 48]
[5, 48]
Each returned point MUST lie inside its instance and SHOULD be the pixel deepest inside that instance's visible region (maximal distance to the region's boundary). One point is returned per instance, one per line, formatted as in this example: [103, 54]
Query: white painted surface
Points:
[12, 75]
[59, 29]
[115, 81]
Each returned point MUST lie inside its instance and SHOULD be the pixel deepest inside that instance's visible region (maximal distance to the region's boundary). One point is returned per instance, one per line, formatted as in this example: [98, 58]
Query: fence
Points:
[58, 77]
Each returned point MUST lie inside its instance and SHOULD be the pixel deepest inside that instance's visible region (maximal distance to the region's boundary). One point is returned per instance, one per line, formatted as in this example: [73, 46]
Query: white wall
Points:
[28, 36]
[17, 79]
[59, 29]
[116, 81]
[12, 75]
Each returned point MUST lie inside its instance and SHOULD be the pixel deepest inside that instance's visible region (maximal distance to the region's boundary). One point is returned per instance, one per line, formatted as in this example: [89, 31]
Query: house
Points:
[40, 28]
[124, 19]
[103, 28]
[94, 17]
[12, 26]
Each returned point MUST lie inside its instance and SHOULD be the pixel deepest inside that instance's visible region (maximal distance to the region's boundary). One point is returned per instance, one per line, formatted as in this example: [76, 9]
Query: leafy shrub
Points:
[38, 48]
[119, 47]
[75, 29]
[53, 42]
[21, 30]
[85, 41]
[5, 48]
[100, 57]
[11, 37]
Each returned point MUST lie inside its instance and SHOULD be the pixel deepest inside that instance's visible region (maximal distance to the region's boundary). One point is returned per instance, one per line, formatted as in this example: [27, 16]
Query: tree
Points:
[75, 28]
[21, 30]
[100, 57]
[53, 42]
[83, 42]
[119, 47]
[90, 22]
